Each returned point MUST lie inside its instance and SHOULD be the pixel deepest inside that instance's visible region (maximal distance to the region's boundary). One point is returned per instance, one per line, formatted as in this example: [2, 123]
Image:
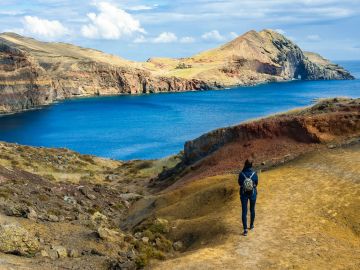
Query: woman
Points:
[248, 181]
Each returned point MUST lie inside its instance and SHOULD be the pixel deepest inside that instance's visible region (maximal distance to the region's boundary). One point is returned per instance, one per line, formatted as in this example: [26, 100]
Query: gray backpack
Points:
[248, 185]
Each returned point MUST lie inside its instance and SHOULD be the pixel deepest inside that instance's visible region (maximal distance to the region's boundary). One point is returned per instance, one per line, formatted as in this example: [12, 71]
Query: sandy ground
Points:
[308, 217]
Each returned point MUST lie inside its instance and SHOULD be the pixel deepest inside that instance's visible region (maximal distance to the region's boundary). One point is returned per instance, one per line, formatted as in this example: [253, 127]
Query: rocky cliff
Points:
[268, 141]
[34, 73]
[324, 122]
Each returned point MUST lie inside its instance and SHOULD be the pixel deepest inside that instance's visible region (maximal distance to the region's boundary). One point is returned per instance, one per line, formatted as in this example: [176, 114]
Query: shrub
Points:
[49, 177]
[88, 158]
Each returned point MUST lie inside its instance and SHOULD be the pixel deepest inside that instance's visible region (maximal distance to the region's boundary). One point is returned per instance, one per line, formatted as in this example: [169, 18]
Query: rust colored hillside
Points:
[268, 141]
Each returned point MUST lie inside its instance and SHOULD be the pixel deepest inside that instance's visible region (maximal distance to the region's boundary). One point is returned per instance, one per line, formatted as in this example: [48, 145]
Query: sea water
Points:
[157, 125]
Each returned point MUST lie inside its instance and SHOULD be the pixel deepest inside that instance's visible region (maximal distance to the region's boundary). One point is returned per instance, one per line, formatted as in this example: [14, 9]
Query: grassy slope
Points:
[63, 165]
[304, 219]
[205, 66]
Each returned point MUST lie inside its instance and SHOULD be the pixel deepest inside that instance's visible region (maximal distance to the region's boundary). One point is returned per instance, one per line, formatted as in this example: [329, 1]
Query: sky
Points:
[140, 29]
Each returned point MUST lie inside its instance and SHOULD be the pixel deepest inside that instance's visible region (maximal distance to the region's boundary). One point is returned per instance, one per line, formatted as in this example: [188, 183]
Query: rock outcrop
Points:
[269, 141]
[38, 74]
[16, 240]
[324, 122]
[34, 73]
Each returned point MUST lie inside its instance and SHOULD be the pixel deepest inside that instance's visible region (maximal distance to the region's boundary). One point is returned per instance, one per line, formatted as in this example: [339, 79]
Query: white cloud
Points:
[165, 37]
[142, 7]
[265, 11]
[140, 39]
[213, 35]
[33, 25]
[187, 40]
[293, 39]
[110, 23]
[11, 12]
[233, 35]
[280, 31]
[313, 38]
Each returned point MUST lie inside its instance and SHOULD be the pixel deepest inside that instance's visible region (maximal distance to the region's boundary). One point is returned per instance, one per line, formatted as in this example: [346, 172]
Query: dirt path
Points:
[308, 217]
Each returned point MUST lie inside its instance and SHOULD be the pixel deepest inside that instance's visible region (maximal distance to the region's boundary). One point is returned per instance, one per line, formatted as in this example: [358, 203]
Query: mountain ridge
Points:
[35, 73]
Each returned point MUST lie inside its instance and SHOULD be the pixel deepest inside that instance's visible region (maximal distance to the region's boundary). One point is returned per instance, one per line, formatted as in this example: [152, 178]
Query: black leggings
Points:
[244, 206]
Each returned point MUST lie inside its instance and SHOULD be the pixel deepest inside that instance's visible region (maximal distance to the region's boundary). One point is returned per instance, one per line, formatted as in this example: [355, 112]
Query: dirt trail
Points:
[308, 217]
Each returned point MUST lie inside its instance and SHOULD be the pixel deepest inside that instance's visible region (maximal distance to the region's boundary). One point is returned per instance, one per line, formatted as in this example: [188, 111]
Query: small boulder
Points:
[145, 239]
[16, 210]
[32, 214]
[83, 190]
[130, 196]
[331, 146]
[70, 200]
[127, 204]
[74, 253]
[110, 235]
[110, 177]
[44, 253]
[15, 239]
[53, 218]
[91, 196]
[121, 265]
[99, 219]
[53, 254]
[178, 245]
[61, 251]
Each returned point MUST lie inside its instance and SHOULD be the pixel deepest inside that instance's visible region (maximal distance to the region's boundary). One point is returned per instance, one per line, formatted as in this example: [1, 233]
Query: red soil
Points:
[271, 140]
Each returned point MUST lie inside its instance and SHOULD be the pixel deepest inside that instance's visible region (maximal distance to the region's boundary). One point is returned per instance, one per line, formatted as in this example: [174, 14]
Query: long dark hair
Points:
[248, 164]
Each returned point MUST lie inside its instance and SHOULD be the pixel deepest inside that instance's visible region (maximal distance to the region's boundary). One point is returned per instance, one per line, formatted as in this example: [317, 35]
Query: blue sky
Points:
[139, 29]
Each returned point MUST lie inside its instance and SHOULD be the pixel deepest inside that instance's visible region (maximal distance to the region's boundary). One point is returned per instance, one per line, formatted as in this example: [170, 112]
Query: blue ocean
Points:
[157, 125]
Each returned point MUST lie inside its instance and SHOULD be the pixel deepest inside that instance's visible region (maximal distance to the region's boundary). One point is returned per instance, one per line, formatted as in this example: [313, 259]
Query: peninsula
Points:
[35, 73]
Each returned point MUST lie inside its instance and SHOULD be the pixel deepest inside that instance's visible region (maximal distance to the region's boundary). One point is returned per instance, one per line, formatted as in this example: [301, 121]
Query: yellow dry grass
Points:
[308, 217]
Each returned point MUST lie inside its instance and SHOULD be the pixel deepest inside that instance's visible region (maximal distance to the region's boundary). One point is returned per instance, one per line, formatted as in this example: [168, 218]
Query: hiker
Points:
[248, 181]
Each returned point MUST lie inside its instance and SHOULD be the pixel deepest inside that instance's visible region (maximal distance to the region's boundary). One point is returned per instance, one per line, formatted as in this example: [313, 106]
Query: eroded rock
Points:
[61, 251]
[110, 235]
[15, 239]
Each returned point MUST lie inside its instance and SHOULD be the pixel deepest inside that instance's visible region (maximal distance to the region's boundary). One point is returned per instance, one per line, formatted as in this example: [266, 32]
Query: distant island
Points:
[35, 73]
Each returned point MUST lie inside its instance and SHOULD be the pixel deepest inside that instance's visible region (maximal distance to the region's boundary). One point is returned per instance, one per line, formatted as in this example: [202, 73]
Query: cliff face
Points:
[34, 73]
[269, 56]
[31, 77]
[269, 141]
[325, 122]
[21, 84]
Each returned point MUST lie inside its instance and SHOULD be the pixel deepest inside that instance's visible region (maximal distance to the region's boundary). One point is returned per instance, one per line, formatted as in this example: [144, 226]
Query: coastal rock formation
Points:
[327, 121]
[269, 141]
[34, 73]
[335, 120]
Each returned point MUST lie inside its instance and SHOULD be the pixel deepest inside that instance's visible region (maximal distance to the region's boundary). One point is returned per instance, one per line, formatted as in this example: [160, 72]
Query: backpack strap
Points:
[248, 177]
